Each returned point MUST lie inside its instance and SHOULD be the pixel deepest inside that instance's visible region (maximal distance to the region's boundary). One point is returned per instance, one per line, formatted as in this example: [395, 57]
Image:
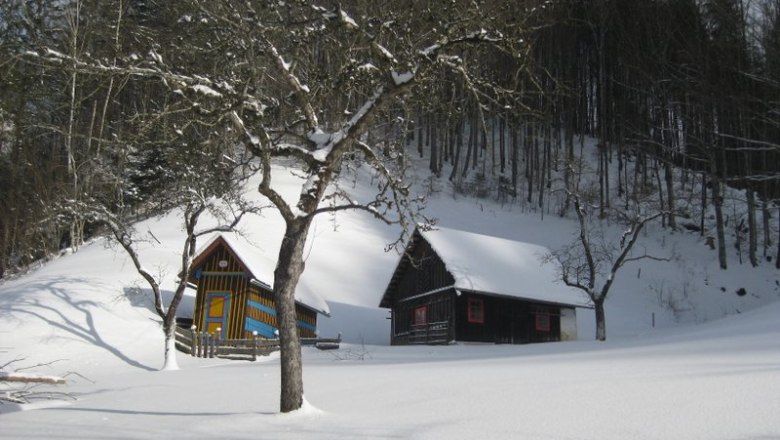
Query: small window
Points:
[421, 315]
[543, 320]
[476, 311]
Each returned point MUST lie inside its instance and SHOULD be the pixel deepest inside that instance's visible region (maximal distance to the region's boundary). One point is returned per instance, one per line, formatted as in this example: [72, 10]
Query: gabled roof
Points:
[493, 266]
[258, 265]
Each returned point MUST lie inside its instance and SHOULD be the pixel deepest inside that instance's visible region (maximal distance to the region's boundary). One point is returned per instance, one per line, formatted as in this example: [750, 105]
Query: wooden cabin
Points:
[234, 294]
[453, 285]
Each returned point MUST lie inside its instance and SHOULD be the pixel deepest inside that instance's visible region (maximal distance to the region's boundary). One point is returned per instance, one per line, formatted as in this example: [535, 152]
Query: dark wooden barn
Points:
[453, 285]
[234, 294]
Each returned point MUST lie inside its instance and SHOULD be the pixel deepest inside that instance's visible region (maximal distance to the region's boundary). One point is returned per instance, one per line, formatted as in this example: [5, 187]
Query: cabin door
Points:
[217, 306]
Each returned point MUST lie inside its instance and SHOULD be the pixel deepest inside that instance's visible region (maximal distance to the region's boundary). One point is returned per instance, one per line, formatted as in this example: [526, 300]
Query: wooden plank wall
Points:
[246, 300]
[230, 279]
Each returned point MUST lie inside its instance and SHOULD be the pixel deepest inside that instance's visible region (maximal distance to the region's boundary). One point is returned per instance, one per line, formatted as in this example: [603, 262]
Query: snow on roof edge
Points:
[250, 256]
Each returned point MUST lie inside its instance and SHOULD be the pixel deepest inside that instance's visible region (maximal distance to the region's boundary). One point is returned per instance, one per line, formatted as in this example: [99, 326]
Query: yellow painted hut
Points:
[234, 292]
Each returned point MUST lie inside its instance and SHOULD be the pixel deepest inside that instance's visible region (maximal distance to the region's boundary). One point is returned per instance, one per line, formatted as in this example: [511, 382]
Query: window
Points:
[542, 320]
[476, 311]
[420, 315]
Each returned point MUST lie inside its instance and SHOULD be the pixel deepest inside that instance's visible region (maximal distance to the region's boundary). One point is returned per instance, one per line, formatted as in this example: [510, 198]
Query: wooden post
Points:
[254, 346]
[217, 341]
[193, 341]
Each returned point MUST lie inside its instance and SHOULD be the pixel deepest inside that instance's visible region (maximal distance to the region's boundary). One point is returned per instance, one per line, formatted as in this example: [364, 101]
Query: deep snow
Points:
[694, 374]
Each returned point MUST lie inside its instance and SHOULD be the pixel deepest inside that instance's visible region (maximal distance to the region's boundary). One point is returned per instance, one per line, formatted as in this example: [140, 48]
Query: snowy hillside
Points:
[673, 366]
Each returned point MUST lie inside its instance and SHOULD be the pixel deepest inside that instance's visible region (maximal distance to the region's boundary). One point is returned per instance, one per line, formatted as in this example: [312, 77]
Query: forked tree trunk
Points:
[288, 272]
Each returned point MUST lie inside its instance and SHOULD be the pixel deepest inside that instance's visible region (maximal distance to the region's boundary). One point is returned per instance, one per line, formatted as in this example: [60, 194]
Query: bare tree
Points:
[307, 86]
[194, 197]
[591, 263]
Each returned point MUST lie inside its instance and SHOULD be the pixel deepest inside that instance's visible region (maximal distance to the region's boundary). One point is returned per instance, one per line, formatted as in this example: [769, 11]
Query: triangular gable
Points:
[257, 265]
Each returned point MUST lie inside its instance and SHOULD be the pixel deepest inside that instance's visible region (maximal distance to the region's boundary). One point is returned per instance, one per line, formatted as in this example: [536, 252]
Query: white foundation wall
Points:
[568, 324]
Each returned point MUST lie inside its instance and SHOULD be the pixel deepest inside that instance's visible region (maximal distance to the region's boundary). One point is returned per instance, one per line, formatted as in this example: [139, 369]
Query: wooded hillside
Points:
[682, 96]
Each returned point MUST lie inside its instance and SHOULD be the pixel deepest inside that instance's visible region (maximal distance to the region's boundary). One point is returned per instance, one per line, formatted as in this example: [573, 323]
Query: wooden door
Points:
[217, 307]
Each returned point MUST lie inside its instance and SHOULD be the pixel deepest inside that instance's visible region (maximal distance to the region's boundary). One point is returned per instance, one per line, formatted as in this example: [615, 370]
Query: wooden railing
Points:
[209, 345]
[431, 333]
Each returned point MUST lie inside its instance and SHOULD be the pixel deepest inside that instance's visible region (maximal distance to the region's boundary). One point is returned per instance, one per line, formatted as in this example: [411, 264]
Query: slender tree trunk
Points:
[717, 203]
[660, 192]
[420, 128]
[458, 140]
[513, 134]
[529, 163]
[767, 231]
[703, 203]
[433, 164]
[669, 177]
[752, 227]
[777, 257]
[288, 271]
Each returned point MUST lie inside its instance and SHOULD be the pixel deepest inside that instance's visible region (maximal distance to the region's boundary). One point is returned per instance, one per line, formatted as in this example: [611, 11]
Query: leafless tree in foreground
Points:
[312, 87]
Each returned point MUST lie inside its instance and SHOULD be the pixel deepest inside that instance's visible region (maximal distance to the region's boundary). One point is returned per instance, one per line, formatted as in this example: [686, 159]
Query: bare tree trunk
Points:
[169, 329]
[767, 231]
[77, 225]
[601, 321]
[669, 177]
[752, 227]
[717, 203]
[288, 272]
[777, 257]
[435, 147]
[703, 203]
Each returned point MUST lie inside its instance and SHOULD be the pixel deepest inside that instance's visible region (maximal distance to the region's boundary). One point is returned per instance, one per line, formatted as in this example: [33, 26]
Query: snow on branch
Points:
[197, 83]
[301, 90]
[31, 378]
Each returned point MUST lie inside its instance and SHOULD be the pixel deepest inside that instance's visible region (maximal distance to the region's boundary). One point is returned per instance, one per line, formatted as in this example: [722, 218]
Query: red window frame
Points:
[475, 310]
[543, 320]
[420, 316]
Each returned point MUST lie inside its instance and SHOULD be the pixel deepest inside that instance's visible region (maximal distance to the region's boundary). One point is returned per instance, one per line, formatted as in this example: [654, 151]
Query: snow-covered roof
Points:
[261, 268]
[501, 267]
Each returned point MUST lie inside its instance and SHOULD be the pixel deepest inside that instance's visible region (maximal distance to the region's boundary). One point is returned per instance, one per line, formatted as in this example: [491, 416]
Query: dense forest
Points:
[683, 98]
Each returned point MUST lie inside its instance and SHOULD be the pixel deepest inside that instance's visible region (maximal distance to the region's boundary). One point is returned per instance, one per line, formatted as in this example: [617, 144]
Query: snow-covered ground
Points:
[673, 365]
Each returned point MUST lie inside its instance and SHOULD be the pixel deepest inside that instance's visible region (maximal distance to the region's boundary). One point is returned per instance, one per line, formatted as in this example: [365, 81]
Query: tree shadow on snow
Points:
[144, 298]
[76, 319]
[153, 413]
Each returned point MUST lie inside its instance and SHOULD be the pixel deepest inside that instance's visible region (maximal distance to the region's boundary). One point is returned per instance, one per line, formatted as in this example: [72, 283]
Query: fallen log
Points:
[30, 378]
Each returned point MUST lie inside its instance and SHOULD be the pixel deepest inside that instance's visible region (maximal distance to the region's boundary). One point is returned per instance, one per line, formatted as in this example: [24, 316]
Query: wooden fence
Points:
[431, 333]
[209, 345]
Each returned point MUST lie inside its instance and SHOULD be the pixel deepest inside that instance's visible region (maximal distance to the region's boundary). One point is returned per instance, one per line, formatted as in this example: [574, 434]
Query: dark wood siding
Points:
[438, 306]
[424, 272]
[422, 279]
[507, 321]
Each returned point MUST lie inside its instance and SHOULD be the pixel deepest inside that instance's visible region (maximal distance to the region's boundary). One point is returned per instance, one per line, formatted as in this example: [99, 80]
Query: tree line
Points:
[684, 96]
